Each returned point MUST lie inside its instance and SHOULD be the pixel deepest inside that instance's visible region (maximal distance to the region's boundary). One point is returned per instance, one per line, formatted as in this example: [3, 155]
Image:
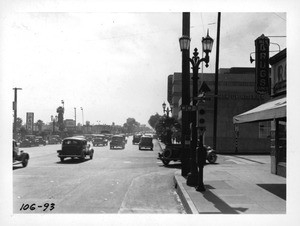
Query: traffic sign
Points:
[191, 107]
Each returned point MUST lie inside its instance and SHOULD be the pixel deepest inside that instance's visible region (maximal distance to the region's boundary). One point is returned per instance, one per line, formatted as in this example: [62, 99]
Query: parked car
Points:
[99, 140]
[39, 140]
[117, 141]
[25, 143]
[172, 152]
[136, 138]
[19, 156]
[146, 142]
[75, 147]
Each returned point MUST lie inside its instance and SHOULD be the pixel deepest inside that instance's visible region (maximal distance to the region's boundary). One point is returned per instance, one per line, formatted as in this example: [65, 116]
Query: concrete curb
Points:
[188, 204]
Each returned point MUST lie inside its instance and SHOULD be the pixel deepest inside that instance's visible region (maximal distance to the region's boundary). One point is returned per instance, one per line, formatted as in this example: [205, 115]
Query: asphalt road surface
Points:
[114, 181]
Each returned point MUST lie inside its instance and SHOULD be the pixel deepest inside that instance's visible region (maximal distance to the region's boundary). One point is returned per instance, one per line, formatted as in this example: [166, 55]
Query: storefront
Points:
[274, 111]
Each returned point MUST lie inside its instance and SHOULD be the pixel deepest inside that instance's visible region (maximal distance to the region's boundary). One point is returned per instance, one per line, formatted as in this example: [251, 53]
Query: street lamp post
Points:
[207, 43]
[15, 113]
[167, 110]
[75, 117]
[54, 120]
[185, 87]
[82, 118]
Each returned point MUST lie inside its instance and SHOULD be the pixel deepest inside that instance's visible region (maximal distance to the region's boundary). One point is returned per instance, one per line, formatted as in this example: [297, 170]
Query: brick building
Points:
[236, 94]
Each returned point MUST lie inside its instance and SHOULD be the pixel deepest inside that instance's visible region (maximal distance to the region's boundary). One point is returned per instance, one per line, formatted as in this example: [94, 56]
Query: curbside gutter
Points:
[188, 204]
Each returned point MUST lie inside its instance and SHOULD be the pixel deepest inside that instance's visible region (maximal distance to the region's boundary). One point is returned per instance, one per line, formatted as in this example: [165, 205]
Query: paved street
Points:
[114, 181]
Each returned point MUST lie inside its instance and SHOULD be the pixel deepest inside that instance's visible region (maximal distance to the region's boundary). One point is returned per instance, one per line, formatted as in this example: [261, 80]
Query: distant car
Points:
[75, 147]
[39, 140]
[26, 143]
[19, 157]
[136, 138]
[117, 141]
[100, 140]
[54, 139]
[146, 142]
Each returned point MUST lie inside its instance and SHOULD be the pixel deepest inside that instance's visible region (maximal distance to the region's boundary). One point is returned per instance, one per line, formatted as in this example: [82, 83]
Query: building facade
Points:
[273, 111]
[235, 94]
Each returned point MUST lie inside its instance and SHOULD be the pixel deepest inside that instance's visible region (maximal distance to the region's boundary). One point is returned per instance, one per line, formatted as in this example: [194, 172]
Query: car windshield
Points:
[147, 139]
[71, 142]
[117, 138]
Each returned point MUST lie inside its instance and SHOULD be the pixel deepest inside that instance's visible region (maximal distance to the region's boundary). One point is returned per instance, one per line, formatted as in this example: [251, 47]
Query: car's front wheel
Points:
[25, 162]
[62, 159]
[166, 162]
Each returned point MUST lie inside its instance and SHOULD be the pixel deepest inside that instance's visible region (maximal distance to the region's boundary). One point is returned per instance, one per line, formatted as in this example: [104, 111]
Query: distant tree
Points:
[154, 120]
[168, 128]
[131, 125]
[23, 131]
[19, 123]
[60, 122]
[40, 124]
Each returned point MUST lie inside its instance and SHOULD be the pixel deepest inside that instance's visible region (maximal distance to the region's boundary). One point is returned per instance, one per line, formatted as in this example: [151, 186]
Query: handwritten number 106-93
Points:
[46, 206]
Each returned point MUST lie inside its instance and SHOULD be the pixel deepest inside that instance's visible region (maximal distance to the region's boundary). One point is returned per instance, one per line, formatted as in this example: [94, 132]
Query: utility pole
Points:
[15, 113]
[185, 133]
[216, 84]
[75, 117]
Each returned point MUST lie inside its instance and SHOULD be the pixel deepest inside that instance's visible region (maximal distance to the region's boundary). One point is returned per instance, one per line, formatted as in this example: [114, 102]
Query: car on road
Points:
[40, 141]
[19, 157]
[25, 143]
[136, 138]
[54, 139]
[146, 143]
[99, 140]
[117, 141]
[75, 147]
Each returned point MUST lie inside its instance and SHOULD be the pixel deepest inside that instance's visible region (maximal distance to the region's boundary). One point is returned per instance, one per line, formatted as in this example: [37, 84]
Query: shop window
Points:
[264, 130]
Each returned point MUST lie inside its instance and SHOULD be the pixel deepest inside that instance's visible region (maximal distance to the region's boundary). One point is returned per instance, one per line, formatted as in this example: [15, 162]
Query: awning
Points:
[267, 111]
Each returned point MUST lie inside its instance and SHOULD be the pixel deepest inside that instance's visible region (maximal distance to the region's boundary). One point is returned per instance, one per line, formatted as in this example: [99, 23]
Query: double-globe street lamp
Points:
[166, 110]
[54, 120]
[195, 178]
[168, 129]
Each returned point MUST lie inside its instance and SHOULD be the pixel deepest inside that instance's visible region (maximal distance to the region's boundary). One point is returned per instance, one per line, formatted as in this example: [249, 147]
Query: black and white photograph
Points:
[148, 115]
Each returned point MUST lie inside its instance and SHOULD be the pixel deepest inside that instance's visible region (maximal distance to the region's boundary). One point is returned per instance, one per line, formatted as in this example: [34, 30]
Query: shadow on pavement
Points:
[72, 161]
[172, 166]
[276, 189]
[220, 204]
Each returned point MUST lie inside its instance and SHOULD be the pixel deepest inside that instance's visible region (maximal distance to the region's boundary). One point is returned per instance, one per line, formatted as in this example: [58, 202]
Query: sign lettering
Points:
[262, 65]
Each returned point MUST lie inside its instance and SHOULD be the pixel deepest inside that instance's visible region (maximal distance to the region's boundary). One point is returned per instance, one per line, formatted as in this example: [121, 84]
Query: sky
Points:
[115, 65]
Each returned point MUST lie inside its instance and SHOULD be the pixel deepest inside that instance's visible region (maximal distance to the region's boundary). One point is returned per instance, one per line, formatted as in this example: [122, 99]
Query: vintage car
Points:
[19, 157]
[146, 142]
[172, 152]
[75, 147]
[117, 141]
[54, 139]
[99, 140]
[136, 138]
[40, 141]
[26, 143]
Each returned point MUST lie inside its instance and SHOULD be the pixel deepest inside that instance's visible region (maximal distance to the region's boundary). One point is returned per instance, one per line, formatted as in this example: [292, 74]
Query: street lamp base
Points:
[200, 188]
[192, 180]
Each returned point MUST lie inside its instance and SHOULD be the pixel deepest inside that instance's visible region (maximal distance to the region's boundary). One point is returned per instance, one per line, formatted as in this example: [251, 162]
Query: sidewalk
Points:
[237, 184]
